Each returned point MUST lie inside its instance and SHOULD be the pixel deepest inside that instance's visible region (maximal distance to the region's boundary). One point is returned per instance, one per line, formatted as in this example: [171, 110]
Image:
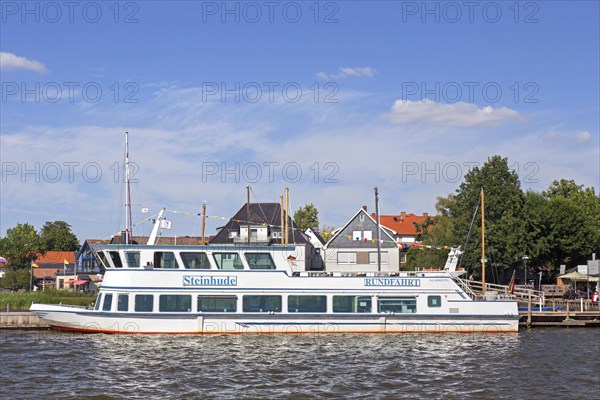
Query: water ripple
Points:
[535, 364]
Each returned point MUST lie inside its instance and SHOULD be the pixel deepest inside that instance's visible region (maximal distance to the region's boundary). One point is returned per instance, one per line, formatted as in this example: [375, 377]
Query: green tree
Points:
[20, 246]
[425, 258]
[307, 217]
[57, 236]
[504, 200]
[326, 232]
[16, 279]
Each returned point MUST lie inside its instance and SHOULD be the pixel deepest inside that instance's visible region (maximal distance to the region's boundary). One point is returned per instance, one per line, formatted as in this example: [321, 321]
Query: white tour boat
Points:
[252, 289]
[265, 289]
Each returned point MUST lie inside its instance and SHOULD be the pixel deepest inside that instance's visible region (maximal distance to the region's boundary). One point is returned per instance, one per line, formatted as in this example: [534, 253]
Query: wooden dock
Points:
[566, 319]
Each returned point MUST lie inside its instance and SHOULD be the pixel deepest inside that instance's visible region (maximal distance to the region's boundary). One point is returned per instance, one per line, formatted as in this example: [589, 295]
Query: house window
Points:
[373, 257]
[403, 258]
[346, 258]
[368, 235]
[356, 235]
[276, 235]
[232, 235]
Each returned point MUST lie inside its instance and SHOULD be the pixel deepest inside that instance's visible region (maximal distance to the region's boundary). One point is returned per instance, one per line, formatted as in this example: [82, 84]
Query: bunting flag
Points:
[511, 286]
[165, 224]
[34, 265]
[144, 210]
[3, 260]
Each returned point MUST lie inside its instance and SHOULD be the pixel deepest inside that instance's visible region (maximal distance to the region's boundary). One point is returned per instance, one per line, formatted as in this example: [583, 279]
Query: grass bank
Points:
[22, 301]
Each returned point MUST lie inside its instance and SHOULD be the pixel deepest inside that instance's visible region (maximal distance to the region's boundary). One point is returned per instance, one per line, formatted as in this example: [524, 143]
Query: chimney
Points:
[403, 215]
[364, 208]
[425, 215]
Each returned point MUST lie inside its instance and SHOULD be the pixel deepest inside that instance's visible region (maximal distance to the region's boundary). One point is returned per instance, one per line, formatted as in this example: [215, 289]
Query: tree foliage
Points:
[327, 232]
[307, 217]
[503, 201]
[15, 280]
[20, 246]
[57, 236]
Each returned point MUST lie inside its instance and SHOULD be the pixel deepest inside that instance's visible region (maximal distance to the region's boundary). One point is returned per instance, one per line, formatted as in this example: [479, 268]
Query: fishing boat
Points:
[235, 288]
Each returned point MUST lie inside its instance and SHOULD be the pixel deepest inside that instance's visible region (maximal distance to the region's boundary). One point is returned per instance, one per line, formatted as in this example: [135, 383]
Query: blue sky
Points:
[403, 95]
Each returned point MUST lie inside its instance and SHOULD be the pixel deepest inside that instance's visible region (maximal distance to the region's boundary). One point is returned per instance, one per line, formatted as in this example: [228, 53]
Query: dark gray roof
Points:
[260, 214]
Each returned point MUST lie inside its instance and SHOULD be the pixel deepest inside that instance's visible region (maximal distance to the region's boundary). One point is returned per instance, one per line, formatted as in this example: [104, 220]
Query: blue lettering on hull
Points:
[392, 282]
[191, 280]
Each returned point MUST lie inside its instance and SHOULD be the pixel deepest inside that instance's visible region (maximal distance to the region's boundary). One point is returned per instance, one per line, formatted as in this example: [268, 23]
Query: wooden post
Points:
[529, 311]
[482, 246]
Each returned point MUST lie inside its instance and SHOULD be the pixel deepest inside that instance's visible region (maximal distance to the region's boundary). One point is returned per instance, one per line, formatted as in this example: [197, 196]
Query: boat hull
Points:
[81, 320]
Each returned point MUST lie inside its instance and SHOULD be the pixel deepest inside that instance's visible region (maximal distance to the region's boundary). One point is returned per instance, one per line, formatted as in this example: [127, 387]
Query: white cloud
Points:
[583, 137]
[346, 72]
[12, 61]
[458, 114]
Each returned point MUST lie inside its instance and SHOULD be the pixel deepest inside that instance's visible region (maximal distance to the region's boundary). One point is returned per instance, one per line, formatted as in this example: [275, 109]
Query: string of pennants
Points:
[403, 245]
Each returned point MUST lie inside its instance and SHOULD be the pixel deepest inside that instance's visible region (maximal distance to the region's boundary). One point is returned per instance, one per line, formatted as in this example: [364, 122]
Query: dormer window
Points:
[232, 235]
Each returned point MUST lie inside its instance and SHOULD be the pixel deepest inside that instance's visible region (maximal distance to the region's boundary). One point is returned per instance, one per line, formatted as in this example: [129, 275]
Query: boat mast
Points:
[203, 220]
[128, 227]
[281, 217]
[482, 244]
[378, 230]
[287, 213]
[248, 211]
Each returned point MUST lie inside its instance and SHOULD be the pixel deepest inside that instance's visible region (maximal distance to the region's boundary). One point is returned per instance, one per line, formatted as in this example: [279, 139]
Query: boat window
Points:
[107, 302]
[103, 259]
[346, 258]
[262, 303]
[228, 261]
[434, 301]
[98, 301]
[217, 303]
[165, 259]
[373, 257]
[195, 260]
[116, 259]
[398, 304]
[123, 302]
[352, 304]
[259, 261]
[307, 303]
[175, 303]
[133, 259]
[144, 302]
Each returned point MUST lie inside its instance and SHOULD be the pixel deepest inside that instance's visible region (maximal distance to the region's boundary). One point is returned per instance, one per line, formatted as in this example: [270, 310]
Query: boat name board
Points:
[198, 280]
[392, 282]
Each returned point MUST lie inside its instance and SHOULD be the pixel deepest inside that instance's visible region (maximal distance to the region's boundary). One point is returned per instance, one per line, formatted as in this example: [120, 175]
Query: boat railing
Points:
[518, 293]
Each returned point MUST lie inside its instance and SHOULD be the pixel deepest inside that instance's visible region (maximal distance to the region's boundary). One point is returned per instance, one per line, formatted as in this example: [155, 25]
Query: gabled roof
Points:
[56, 257]
[317, 235]
[362, 210]
[402, 224]
[265, 214]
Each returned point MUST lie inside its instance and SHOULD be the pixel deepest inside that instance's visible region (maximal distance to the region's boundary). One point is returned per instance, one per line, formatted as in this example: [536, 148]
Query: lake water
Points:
[533, 364]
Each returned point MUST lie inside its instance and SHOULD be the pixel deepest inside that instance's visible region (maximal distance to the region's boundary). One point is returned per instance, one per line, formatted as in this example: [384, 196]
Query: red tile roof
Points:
[402, 224]
[56, 257]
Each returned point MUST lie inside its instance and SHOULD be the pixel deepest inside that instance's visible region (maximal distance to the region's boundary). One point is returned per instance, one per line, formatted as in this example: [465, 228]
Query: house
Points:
[353, 247]
[260, 225]
[403, 228]
[85, 260]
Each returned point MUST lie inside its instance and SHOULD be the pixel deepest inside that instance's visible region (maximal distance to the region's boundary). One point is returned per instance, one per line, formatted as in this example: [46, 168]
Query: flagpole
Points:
[30, 275]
